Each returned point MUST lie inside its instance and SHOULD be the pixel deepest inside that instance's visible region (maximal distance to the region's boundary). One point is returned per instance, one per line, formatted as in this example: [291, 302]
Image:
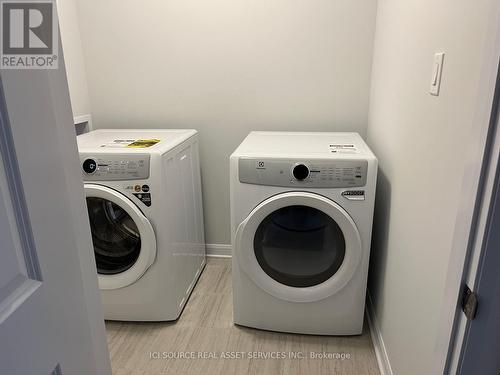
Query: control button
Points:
[300, 172]
[145, 188]
[89, 166]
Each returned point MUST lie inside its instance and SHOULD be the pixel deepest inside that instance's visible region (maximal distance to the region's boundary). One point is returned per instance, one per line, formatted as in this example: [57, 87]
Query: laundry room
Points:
[248, 186]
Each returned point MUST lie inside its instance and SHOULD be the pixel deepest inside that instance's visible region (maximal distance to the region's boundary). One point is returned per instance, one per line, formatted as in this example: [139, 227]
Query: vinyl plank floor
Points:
[205, 328]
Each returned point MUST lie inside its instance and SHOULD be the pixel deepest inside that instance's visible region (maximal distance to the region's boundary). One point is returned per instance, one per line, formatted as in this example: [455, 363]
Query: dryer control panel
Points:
[320, 173]
[114, 167]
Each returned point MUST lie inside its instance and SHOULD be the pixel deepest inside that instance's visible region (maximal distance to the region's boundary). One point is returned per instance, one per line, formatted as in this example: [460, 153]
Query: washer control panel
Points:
[318, 173]
[114, 167]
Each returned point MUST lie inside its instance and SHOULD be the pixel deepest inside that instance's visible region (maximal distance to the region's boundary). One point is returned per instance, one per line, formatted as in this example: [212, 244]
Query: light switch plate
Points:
[437, 69]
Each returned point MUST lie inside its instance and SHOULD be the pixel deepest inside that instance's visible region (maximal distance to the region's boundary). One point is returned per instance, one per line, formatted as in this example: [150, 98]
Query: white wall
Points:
[73, 57]
[420, 141]
[226, 67]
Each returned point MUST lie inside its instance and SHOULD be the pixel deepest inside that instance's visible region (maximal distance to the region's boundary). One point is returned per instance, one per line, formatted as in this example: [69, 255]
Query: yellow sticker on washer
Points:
[143, 143]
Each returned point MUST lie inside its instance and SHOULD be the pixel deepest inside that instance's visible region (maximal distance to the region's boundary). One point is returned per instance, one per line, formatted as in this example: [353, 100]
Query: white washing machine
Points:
[144, 202]
[301, 215]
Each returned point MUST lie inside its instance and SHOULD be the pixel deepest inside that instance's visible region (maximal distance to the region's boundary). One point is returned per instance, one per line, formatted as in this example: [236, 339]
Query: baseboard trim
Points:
[377, 339]
[217, 250]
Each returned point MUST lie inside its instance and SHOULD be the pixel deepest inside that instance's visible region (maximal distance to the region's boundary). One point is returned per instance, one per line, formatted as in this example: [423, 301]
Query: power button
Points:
[89, 166]
[300, 172]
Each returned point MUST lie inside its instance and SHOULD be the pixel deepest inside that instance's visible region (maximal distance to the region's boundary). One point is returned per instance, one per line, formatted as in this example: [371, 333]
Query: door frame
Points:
[475, 338]
[472, 266]
[473, 181]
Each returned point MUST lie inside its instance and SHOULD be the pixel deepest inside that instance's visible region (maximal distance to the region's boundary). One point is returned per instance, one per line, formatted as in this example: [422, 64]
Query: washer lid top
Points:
[303, 145]
[117, 140]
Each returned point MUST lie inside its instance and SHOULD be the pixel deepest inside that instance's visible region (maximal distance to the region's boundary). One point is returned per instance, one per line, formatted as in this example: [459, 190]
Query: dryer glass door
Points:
[298, 246]
[123, 238]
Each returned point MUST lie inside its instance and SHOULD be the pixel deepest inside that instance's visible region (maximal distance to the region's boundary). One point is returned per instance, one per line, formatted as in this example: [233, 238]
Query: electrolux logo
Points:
[29, 34]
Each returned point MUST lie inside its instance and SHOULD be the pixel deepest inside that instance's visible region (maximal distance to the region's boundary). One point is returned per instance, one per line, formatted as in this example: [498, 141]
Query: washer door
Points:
[299, 246]
[123, 238]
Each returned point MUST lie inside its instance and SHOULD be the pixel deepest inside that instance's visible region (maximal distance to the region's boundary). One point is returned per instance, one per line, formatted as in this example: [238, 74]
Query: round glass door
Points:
[116, 238]
[299, 246]
[123, 238]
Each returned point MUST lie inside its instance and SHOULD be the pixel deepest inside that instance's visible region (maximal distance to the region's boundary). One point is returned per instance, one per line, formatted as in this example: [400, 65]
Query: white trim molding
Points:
[83, 124]
[218, 250]
[82, 118]
[377, 339]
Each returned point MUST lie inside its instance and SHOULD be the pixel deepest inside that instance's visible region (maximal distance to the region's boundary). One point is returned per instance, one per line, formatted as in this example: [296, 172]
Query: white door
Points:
[299, 246]
[51, 319]
[124, 239]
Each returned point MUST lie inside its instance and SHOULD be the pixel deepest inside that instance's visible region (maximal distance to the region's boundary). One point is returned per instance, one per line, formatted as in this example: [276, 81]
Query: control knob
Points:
[300, 172]
[89, 166]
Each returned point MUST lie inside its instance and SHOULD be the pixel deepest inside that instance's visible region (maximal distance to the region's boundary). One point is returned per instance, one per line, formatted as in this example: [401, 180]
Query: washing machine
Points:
[301, 220]
[144, 203]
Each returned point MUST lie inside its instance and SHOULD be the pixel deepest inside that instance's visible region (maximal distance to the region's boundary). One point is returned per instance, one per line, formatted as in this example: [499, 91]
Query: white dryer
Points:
[301, 214]
[143, 194]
